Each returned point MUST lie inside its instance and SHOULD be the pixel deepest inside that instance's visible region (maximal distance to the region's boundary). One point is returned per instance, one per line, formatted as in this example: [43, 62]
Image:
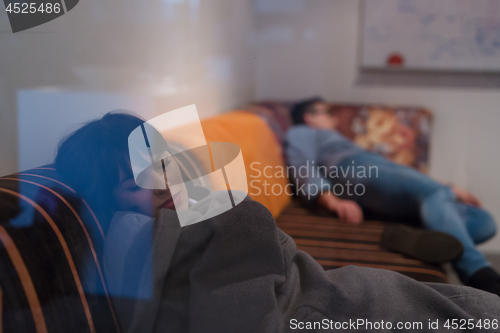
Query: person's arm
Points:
[301, 152]
[347, 210]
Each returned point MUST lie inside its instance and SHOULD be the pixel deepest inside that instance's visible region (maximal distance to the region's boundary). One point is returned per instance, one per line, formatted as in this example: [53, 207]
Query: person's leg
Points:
[402, 193]
[480, 224]
[439, 212]
[481, 227]
[392, 191]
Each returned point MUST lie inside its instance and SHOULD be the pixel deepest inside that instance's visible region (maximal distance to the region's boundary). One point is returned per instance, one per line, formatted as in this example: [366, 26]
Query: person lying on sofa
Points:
[386, 189]
[235, 272]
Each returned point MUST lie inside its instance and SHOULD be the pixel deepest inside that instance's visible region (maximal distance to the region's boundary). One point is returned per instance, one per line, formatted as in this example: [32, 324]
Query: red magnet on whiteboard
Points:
[395, 60]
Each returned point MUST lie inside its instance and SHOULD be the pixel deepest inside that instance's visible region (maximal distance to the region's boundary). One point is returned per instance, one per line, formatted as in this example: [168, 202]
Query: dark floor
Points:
[493, 258]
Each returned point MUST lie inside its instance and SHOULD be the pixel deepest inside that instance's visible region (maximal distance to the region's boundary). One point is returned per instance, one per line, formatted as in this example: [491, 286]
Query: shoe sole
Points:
[422, 244]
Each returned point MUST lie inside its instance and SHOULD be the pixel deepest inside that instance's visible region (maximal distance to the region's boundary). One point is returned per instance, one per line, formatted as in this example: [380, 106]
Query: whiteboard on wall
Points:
[431, 34]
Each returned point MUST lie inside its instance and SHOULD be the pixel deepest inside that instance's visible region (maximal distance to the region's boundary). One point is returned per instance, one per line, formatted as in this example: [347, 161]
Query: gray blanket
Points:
[237, 272]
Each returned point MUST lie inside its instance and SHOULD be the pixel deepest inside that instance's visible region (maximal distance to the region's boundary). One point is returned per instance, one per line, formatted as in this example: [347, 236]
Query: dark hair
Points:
[301, 108]
[90, 158]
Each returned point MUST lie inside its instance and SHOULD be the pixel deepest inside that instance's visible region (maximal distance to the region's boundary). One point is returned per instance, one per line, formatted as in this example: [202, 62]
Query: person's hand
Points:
[347, 210]
[465, 196]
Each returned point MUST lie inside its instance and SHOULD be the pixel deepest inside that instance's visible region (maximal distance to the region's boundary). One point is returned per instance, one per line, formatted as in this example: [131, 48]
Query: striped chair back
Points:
[51, 246]
[398, 132]
[51, 242]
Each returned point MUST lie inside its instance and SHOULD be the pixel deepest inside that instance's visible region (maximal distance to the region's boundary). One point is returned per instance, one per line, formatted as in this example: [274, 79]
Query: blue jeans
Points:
[399, 193]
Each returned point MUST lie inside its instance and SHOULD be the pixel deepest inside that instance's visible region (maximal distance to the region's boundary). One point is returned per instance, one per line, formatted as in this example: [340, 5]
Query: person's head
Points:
[314, 112]
[95, 161]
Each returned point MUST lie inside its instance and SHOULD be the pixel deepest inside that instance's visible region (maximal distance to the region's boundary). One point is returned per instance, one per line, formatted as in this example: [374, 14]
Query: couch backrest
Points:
[400, 133]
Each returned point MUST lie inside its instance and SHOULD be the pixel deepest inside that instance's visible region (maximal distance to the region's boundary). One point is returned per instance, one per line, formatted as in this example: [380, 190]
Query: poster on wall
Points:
[456, 35]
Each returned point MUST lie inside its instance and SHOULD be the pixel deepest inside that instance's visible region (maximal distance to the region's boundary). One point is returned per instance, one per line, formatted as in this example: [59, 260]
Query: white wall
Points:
[311, 48]
[46, 116]
[178, 51]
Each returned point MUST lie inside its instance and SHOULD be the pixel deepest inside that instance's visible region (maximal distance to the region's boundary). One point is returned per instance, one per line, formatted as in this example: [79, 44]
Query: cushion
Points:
[260, 150]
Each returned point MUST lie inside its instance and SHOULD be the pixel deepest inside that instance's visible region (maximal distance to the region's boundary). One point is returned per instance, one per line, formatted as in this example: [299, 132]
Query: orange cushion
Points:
[259, 149]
